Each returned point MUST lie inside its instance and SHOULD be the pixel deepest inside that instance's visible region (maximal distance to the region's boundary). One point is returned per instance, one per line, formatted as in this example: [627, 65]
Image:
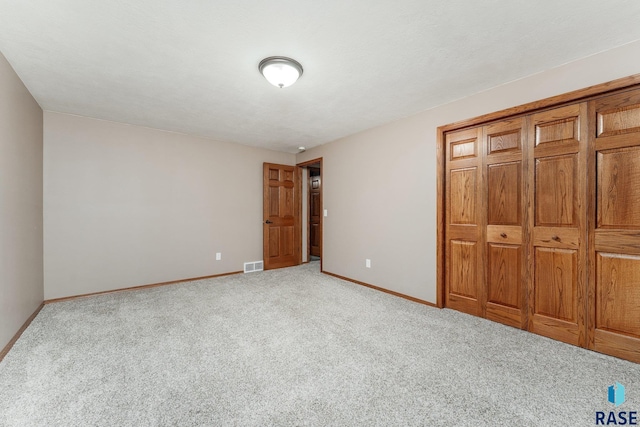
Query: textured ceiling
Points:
[191, 65]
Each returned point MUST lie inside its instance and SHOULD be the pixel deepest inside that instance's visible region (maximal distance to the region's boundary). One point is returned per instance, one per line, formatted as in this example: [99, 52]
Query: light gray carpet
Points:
[293, 347]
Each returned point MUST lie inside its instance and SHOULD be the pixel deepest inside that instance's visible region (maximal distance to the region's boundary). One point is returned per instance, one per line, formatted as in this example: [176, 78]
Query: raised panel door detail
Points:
[287, 203]
[618, 294]
[619, 188]
[287, 240]
[555, 189]
[274, 174]
[315, 235]
[462, 267]
[504, 275]
[507, 141]
[274, 242]
[461, 144]
[463, 196]
[563, 130]
[315, 204]
[619, 121]
[274, 201]
[463, 149]
[281, 241]
[556, 283]
[504, 183]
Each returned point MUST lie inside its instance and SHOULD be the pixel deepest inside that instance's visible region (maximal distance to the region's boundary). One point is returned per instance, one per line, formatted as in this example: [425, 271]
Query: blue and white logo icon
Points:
[616, 394]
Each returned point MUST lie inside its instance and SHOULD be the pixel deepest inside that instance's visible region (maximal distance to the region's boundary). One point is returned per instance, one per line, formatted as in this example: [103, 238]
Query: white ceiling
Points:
[191, 65]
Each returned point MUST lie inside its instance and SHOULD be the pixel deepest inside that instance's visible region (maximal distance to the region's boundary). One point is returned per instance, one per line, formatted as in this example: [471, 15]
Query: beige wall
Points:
[20, 203]
[380, 185]
[127, 206]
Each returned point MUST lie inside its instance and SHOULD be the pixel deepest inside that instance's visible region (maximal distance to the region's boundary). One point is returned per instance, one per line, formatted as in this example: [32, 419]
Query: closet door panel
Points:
[504, 296]
[617, 323]
[558, 127]
[557, 290]
[618, 186]
[556, 176]
[618, 297]
[464, 256]
[505, 195]
[464, 192]
[504, 269]
[614, 318]
[463, 216]
[618, 114]
[506, 204]
[614, 321]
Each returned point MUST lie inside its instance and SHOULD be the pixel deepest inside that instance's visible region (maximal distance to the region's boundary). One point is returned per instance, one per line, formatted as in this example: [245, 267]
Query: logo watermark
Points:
[616, 396]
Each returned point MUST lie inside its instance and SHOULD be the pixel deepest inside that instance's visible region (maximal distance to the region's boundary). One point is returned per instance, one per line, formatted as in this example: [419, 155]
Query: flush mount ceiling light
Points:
[280, 71]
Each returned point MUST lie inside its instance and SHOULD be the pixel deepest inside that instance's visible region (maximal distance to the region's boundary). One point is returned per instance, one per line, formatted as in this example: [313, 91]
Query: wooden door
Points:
[614, 284]
[558, 177]
[315, 212]
[506, 209]
[282, 216]
[463, 212]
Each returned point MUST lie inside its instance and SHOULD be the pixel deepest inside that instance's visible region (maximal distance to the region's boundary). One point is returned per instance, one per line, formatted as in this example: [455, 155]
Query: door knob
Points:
[268, 222]
[556, 238]
[503, 235]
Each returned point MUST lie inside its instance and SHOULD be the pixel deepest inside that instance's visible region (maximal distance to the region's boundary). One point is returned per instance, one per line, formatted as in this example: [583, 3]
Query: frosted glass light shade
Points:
[280, 71]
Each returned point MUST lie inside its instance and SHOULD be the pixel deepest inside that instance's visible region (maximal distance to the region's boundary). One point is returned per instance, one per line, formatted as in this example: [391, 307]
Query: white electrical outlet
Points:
[367, 263]
[218, 256]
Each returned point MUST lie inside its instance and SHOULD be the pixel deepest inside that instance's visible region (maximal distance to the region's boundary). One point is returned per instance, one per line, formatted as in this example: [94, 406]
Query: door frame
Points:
[304, 165]
[521, 110]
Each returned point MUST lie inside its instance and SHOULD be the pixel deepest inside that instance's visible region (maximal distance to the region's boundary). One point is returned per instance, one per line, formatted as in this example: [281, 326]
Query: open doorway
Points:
[312, 211]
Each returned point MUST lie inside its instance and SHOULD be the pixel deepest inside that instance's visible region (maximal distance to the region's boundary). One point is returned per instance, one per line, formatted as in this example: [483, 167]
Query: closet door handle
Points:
[556, 238]
[503, 235]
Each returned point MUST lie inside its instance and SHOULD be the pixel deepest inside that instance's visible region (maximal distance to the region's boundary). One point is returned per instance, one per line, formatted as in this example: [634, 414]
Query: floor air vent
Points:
[250, 267]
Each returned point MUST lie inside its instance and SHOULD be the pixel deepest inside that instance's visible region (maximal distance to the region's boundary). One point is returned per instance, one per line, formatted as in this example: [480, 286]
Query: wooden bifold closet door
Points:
[506, 210]
[485, 216]
[558, 179]
[542, 222]
[464, 207]
[614, 283]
